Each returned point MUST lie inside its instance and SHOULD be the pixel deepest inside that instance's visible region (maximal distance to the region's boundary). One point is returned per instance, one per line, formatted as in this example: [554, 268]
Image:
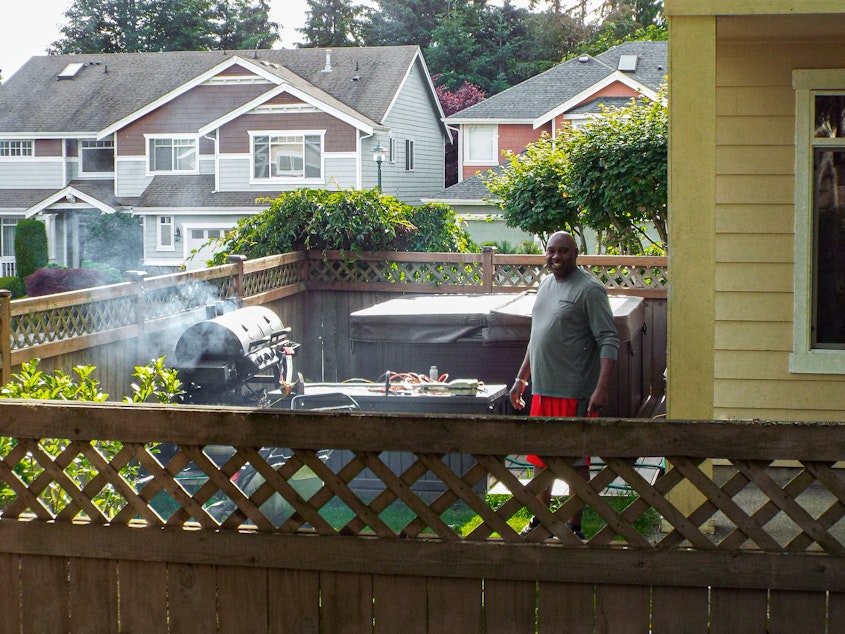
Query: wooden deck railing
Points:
[66, 323]
[129, 539]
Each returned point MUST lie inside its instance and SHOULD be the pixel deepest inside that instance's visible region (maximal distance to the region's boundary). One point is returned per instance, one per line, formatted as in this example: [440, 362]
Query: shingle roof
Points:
[111, 87]
[196, 192]
[544, 92]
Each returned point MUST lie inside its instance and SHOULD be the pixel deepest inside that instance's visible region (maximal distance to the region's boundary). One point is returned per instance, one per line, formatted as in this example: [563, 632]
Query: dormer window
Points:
[13, 148]
[172, 154]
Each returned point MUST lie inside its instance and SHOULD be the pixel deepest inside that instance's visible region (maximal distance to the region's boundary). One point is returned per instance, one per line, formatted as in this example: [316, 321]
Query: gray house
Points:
[189, 140]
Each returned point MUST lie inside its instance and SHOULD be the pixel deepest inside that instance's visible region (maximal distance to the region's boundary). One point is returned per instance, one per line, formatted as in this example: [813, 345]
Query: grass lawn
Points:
[463, 520]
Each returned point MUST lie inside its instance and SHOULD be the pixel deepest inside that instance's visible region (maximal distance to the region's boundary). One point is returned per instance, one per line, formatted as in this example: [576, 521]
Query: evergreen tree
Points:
[127, 26]
[332, 23]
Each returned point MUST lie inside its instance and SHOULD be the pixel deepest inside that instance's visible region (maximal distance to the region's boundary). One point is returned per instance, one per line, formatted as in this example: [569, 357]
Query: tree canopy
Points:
[131, 26]
[489, 45]
[609, 175]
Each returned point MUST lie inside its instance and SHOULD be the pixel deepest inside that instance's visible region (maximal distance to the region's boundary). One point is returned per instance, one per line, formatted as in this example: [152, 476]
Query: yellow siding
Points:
[739, 219]
[754, 277]
[753, 7]
[691, 306]
[746, 335]
[732, 205]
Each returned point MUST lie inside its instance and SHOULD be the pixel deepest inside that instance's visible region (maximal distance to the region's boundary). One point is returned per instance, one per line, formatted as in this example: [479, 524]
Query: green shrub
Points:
[155, 382]
[347, 220]
[14, 284]
[30, 247]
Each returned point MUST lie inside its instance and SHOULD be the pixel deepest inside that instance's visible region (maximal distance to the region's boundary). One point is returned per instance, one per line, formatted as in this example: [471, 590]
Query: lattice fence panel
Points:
[66, 322]
[188, 293]
[265, 280]
[628, 277]
[435, 273]
[294, 490]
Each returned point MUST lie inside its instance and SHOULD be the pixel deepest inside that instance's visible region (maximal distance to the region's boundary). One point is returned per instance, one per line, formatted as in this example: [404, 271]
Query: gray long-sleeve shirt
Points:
[572, 328]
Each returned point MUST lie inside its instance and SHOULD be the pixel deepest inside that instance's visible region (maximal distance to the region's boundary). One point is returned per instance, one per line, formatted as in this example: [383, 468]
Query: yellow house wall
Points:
[746, 221]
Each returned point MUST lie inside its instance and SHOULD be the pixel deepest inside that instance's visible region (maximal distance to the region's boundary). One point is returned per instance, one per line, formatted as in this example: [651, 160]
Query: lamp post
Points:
[379, 155]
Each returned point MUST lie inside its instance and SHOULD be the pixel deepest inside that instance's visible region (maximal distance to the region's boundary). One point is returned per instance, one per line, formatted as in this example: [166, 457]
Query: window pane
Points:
[312, 157]
[830, 112]
[8, 239]
[829, 231]
[286, 155]
[261, 157]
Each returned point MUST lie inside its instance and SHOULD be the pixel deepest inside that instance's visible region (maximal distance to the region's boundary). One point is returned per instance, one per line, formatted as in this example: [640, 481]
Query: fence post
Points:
[239, 277]
[6, 336]
[487, 254]
[140, 309]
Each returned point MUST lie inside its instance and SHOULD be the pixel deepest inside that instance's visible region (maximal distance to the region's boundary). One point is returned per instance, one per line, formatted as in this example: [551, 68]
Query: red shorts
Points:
[559, 408]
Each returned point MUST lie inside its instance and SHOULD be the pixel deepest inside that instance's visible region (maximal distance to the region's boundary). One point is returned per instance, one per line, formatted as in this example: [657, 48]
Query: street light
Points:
[379, 155]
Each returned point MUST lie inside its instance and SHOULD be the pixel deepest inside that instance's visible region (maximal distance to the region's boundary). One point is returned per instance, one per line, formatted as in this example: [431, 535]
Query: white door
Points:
[196, 240]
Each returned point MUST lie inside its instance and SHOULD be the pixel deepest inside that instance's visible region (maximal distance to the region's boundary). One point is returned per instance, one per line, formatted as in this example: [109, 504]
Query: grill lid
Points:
[232, 336]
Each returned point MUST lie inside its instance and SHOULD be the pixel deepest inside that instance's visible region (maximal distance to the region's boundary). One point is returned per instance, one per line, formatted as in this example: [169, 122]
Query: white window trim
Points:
[81, 153]
[287, 179]
[160, 232]
[31, 155]
[804, 359]
[391, 151]
[467, 146]
[180, 137]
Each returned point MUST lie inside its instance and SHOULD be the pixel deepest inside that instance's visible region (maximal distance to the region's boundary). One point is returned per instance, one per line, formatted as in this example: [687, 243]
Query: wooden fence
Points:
[117, 327]
[109, 525]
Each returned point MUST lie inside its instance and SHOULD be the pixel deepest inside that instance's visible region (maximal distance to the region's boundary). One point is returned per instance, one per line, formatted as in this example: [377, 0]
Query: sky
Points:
[27, 28]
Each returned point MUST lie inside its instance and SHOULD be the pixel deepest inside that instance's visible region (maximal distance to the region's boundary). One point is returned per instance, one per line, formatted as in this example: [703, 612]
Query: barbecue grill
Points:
[234, 358]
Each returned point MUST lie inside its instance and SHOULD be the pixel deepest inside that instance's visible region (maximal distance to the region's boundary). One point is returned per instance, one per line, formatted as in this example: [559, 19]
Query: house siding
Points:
[32, 174]
[339, 136]
[340, 172]
[513, 138]
[411, 117]
[755, 212]
[732, 304]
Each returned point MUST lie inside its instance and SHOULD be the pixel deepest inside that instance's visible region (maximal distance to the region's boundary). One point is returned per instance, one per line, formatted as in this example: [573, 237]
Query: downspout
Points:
[360, 171]
[214, 140]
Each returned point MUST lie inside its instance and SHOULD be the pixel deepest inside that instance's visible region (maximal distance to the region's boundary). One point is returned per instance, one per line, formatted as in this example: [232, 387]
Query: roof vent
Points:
[328, 67]
[71, 71]
[628, 63]
[584, 59]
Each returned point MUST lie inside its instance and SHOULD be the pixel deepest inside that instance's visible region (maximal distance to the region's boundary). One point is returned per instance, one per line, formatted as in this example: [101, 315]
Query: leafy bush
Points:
[30, 247]
[48, 281]
[14, 284]
[154, 381]
[347, 220]
[110, 274]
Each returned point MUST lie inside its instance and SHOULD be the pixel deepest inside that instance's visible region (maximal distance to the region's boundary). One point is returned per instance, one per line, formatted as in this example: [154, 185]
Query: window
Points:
[287, 156]
[173, 154]
[391, 151]
[7, 238]
[409, 155]
[165, 233]
[481, 145]
[16, 148]
[96, 157]
[819, 279]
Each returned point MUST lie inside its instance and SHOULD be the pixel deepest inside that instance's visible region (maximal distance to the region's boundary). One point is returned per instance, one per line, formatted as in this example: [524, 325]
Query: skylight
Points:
[71, 70]
[628, 63]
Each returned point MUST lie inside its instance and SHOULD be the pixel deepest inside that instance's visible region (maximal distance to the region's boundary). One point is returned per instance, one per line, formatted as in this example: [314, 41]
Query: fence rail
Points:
[775, 560]
[67, 323]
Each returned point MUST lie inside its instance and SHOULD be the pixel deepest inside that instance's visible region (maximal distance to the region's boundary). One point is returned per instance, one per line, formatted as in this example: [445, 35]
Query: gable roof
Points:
[535, 99]
[111, 89]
